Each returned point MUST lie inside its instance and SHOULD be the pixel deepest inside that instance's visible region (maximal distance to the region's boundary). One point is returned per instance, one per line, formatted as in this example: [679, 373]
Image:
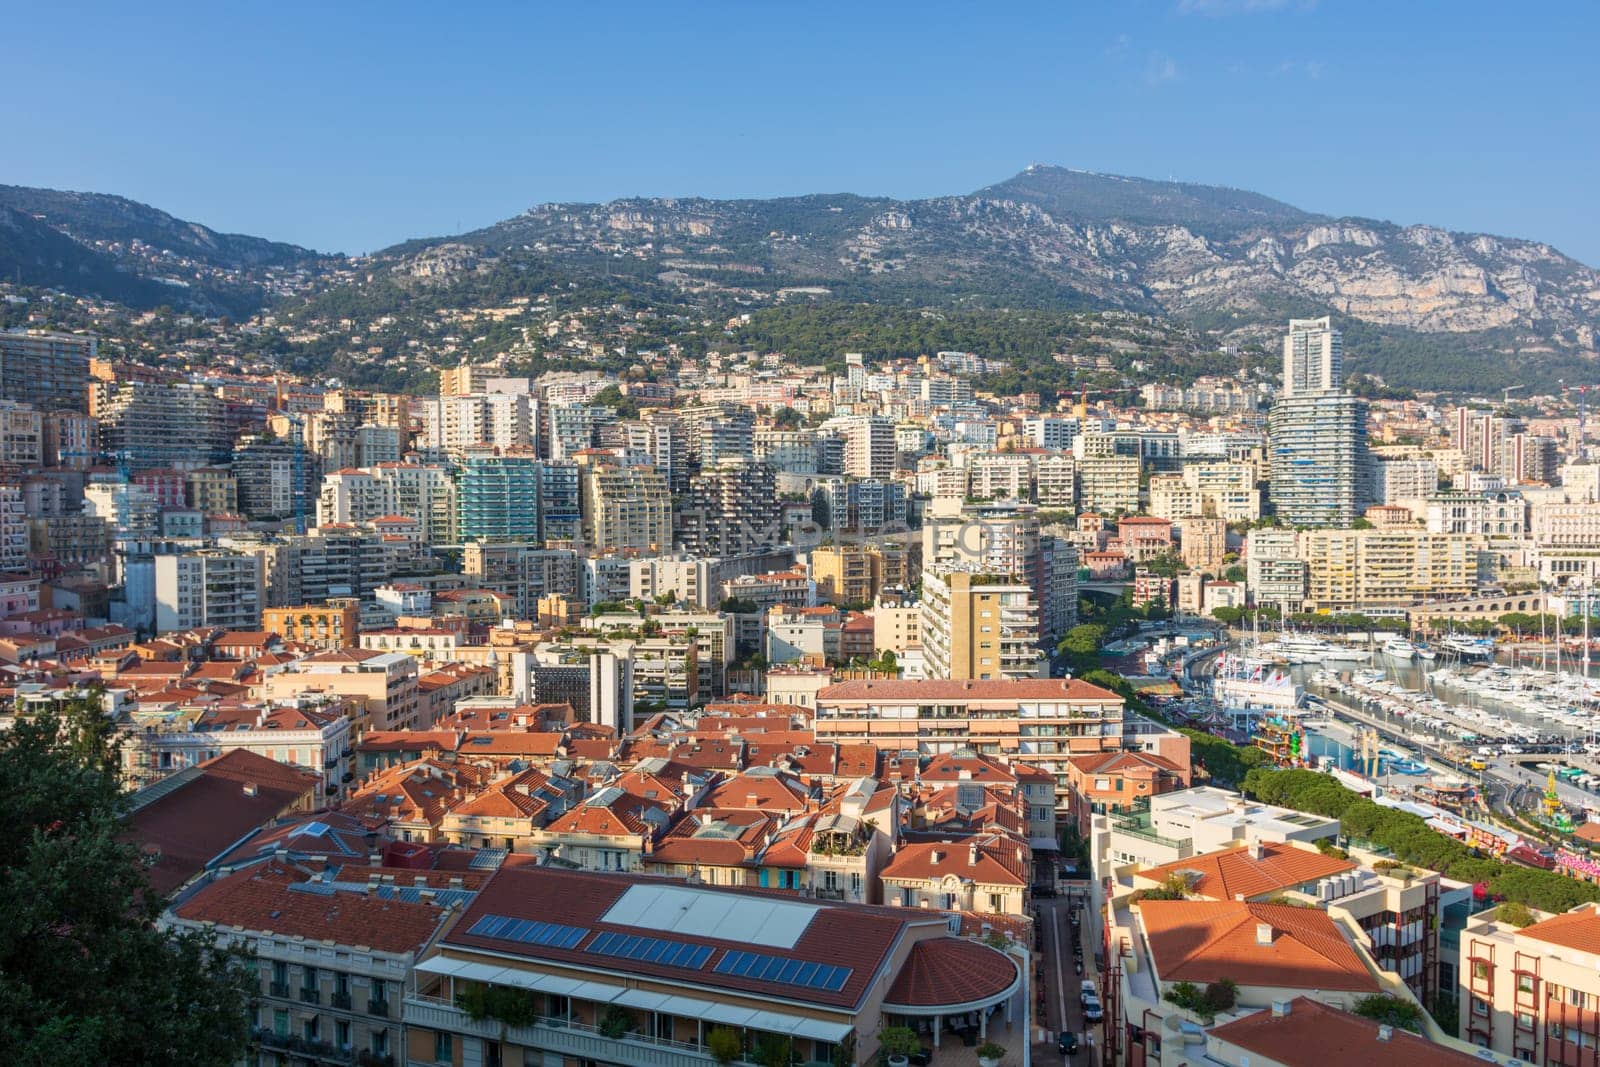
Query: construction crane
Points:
[1505, 394]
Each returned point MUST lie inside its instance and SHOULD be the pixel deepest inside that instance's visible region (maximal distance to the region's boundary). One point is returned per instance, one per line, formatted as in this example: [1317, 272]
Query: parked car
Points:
[1092, 1010]
[1087, 988]
[1067, 1042]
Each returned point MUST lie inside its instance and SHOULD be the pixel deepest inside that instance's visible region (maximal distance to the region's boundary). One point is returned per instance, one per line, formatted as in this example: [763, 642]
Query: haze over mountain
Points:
[1048, 237]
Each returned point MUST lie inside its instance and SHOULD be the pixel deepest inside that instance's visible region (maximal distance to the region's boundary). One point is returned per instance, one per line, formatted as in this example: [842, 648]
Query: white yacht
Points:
[1468, 647]
[1399, 648]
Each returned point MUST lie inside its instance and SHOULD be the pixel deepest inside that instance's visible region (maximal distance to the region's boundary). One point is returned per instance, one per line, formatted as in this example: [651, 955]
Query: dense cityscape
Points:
[754, 586]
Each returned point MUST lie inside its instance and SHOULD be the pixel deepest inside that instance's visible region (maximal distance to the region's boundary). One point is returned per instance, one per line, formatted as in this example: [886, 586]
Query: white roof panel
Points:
[688, 912]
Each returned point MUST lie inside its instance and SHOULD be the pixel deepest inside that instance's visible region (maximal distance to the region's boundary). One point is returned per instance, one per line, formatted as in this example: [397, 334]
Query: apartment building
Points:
[1533, 992]
[334, 957]
[1203, 544]
[1274, 572]
[977, 624]
[1273, 953]
[1318, 454]
[335, 624]
[1355, 570]
[732, 510]
[1038, 723]
[1055, 482]
[626, 508]
[632, 970]
[210, 587]
[1113, 782]
[46, 370]
[383, 684]
[137, 419]
[857, 573]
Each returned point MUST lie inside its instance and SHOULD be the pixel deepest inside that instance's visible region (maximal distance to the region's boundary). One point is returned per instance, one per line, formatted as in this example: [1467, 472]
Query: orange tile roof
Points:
[1204, 940]
[1313, 1034]
[1233, 872]
[939, 689]
[1578, 929]
[950, 971]
[986, 860]
[259, 898]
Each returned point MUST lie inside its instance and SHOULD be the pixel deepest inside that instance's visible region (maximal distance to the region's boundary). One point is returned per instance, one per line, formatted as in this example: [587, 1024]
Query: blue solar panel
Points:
[784, 969]
[527, 931]
[651, 950]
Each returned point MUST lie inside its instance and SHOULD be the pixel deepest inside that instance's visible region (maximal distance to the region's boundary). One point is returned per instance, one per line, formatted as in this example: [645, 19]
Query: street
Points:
[1061, 1009]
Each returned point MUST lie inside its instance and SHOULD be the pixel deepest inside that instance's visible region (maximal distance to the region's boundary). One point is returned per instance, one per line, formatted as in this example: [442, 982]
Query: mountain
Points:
[118, 249]
[1421, 306]
[1050, 237]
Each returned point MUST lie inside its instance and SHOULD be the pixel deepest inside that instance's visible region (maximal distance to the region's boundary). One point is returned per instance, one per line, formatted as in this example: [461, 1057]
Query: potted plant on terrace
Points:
[990, 1054]
[899, 1042]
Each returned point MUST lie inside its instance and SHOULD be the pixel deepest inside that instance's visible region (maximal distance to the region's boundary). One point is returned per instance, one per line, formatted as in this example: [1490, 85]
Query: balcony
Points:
[571, 1040]
[340, 1001]
[1136, 826]
[310, 995]
[378, 1008]
[278, 989]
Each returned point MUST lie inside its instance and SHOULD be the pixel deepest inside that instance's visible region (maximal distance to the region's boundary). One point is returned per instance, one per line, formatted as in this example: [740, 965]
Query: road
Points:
[1061, 1009]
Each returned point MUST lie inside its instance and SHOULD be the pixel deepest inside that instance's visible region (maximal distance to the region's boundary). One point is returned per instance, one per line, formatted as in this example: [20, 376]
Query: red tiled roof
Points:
[1578, 929]
[859, 938]
[949, 971]
[1203, 941]
[1233, 872]
[226, 798]
[992, 689]
[259, 898]
[1313, 1034]
[986, 860]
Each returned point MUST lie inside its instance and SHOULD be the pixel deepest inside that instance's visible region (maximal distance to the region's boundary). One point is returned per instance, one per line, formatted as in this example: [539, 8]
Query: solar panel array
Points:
[651, 950]
[784, 969]
[528, 931]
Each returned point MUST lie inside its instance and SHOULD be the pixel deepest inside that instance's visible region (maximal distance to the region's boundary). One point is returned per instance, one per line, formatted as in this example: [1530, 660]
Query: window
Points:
[996, 902]
[1479, 1006]
[441, 1047]
[1524, 983]
[311, 1026]
[280, 1022]
[1524, 1020]
[341, 1033]
[1575, 997]
[280, 973]
[1480, 969]
[309, 974]
[380, 1042]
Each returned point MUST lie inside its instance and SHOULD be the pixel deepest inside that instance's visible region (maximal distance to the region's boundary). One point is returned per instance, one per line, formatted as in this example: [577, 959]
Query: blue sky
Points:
[356, 125]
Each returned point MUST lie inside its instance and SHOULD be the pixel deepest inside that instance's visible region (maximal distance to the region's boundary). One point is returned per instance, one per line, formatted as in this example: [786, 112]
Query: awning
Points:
[597, 992]
[1044, 844]
[443, 965]
[643, 999]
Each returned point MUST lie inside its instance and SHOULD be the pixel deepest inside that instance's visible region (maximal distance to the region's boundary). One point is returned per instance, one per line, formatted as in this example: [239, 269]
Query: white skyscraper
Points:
[1313, 357]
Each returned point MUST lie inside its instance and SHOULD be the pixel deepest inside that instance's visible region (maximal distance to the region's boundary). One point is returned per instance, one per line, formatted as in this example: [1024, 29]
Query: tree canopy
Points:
[86, 975]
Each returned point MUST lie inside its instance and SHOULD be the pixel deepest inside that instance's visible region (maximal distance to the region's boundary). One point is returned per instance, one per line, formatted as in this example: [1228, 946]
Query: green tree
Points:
[1391, 1011]
[86, 976]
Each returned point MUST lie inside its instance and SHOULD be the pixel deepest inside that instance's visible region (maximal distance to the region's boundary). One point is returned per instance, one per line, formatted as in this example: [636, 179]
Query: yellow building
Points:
[979, 625]
[856, 574]
[335, 624]
[1353, 570]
